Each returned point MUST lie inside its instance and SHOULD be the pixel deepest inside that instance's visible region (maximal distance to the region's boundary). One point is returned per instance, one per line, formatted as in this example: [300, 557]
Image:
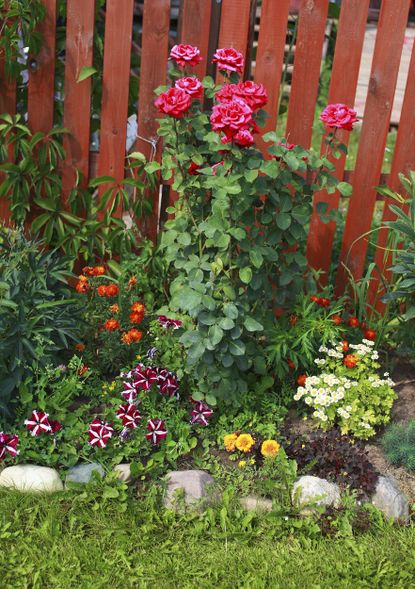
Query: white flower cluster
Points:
[365, 349]
[323, 391]
[380, 382]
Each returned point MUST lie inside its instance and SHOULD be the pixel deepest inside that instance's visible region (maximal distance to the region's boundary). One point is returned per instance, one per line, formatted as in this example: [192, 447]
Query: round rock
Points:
[390, 499]
[253, 503]
[82, 473]
[313, 490]
[123, 471]
[31, 478]
[195, 485]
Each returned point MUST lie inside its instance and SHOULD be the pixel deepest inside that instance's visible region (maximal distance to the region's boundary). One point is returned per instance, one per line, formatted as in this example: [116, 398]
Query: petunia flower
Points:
[38, 423]
[8, 445]
[170, 386]
[130, 392]
[100, 432]
[201, 414]
[144, 378]
[157, 430]
[129, 415]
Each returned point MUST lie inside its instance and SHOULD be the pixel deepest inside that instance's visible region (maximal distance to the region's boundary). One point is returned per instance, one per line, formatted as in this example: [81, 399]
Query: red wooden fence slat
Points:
[234, 27]
[382, 82]
[347, 58]
[7, 105]
[78, 54]
[403, 161]
[154, 54]
[306, 73]
[115, 89]
[270, 57]
[195, 29]
[41, 94]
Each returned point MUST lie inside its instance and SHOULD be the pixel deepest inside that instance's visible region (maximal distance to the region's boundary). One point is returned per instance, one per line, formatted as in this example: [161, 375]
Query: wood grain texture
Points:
[270, 57]
[306, 73]
[41, 94]
[76, 118]
[115, 88]
[347, 57]
[375, 125]
[154, 53]
[195, 29]
[234, 27]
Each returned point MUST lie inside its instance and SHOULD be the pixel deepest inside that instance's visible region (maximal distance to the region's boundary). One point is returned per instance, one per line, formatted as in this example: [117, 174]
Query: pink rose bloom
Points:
[229, 59]
[244, 138]
[254, 94]
[185, 55]
[231, 117]
[175, 102]
[339, 116]
[191, 85]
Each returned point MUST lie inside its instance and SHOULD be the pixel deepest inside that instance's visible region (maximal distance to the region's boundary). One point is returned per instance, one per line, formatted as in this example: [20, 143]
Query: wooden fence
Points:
[224, 23]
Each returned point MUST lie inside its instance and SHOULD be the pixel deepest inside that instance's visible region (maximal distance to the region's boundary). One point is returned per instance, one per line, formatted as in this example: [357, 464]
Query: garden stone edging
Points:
[313, 490]
[31, 478]
[123, 471]
[82, 473]
[195, 484]
[389, 499]
[254, 503]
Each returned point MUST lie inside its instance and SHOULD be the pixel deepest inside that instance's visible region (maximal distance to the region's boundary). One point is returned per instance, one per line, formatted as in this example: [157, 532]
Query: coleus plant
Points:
[237, 231]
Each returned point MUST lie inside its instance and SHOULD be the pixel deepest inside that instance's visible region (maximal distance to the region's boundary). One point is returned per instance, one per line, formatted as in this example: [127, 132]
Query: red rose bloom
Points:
[111, 325]
[339, 116]
[175, 102]
[370, 334]
[231, 117]
[185, 55]
[191, 85]
[192, 170]
[244, 138]
[254, 95]
[301, 380]
[111, 290]
[350, 361]
[353, 322]
[226, 93]
[229, 59]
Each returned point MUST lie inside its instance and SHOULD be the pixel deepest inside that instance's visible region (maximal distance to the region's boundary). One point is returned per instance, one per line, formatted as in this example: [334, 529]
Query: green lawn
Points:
[62, 542]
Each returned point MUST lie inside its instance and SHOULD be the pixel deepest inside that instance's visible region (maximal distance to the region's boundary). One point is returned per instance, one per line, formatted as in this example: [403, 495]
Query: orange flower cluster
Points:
[137, 312]
[93, 270]
[107, 290]
[130, 336]
[82, 286]
[132, 282]
[111, 325]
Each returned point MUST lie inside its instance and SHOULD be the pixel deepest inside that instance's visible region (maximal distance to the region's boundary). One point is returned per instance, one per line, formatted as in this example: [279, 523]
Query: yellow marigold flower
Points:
[114, 309]
[242, 463]
[245, 442]
[229, 441]
[269, 448]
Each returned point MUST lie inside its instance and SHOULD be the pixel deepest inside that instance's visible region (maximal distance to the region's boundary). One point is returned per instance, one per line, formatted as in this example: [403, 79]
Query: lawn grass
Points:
[65, 542]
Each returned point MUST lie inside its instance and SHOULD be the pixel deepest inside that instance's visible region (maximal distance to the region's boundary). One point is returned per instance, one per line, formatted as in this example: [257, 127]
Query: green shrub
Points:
[38, 316]
[399, 444]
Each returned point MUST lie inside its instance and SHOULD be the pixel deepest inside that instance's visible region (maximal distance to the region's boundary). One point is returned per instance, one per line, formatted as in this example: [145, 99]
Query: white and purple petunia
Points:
[156, 430]
[38, 423]
[201, 414]
[100, 432]
[8, 445]
[130, 415]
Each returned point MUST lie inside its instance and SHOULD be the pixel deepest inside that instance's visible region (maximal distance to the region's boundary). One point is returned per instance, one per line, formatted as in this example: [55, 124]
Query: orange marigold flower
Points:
[126, 338]
[111, 325]
[82, 286]
[135, 335]
[114, 309]
[350, 361]
[80, 347]
[370, 334]
[314, 299]
[270, 448]
[293, 319]
[112, 290]
[136, 317]
[337, 319]
[133, 281]
[353, 322]
[98, 270]
[83, 369]
[137, 308]
[345, 345]
[301, 380]
[291, 364]
[88, 270]
[102, 290]
[82, 278]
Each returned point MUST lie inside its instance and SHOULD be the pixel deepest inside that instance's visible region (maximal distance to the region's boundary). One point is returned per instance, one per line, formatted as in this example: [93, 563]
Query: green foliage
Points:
[19, 19]
[399, 444]
[81, 224]
[349, 392]
[39, 318]
[236, 254]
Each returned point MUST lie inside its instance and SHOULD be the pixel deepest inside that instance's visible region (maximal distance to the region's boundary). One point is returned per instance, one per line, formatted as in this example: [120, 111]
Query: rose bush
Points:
[236, 235]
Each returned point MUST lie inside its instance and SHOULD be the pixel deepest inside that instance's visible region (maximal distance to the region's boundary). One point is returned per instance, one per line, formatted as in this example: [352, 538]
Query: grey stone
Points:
[82, 473]
[123, 471]
[253, 503]
[313, 490]
[195, 485]
[31, 478]
[390, 499]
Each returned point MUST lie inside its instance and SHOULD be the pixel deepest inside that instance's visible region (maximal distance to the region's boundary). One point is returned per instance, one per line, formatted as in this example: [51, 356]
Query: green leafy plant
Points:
[236, 240]
[349, 391]
[399, 444]
[39, 318]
